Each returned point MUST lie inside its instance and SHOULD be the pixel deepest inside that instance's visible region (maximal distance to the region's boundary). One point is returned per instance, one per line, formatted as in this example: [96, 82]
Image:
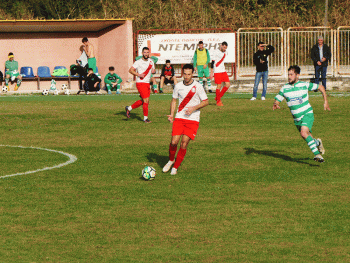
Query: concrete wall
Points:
[113, 46]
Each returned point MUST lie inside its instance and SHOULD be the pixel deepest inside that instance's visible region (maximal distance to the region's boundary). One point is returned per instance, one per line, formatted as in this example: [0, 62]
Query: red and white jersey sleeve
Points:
[189, 96]
[145, 67]
[219, 61]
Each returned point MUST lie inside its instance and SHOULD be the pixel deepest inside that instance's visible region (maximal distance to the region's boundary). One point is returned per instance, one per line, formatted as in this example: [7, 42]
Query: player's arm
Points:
[324, 94]
[203, 103]
[208, 59]
[195, 60]
[119, 79]
[212, 69]
[155, 59]
[133, 71]
[172, 110]
[107, 81]
[276, 105]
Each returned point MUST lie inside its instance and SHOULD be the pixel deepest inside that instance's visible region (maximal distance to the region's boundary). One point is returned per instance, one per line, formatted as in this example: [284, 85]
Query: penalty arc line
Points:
[72, 159]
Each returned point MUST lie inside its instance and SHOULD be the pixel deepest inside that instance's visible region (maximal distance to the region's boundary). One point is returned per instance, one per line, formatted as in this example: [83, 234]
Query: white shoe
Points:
[173, 171]
[263, 98]
[320, 146]
[317, 158]
[253, 98]
[167, 167]
[87, 93]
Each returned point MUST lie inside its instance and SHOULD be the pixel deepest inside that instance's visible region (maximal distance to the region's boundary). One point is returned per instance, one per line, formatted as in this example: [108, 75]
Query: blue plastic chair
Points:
[44, 72]
[27, 72]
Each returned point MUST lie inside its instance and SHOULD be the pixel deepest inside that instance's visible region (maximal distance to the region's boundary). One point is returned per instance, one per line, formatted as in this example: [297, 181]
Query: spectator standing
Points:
[90, 52]
[201, 60]
[167, 75]
[260, 60]
[320, 55]
[11, 71]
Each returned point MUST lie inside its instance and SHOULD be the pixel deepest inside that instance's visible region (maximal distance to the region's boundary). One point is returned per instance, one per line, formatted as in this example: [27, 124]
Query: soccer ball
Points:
[64, 86]
[148, 173]
[45, 92]
[55, 92]
[67, 92]
[5, 89]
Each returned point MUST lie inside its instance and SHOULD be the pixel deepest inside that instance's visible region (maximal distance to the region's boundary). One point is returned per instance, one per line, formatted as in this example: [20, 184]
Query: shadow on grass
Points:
[161, 160]
[132, 115]
[279, 156]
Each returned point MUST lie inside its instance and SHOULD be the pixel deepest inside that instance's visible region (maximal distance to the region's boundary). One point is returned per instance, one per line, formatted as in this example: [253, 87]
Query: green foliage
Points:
[185, 14]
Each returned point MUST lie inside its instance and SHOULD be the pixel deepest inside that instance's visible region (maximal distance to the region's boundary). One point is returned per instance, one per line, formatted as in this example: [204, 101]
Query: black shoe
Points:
[161, 91]
[127, 112]
[78, 92]
[147, 121]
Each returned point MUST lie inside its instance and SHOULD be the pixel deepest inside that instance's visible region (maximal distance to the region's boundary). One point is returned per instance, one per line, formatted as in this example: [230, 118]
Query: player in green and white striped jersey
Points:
[296, 94]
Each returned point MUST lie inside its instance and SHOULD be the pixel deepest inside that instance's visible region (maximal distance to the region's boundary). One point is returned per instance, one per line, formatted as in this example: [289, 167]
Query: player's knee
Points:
[304, 134]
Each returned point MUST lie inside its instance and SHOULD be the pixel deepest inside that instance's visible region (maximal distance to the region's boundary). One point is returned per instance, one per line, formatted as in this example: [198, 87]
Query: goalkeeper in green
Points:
[112, 81]
[296, 94]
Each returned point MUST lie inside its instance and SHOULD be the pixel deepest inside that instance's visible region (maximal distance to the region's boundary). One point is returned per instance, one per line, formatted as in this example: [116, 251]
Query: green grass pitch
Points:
[247, 191]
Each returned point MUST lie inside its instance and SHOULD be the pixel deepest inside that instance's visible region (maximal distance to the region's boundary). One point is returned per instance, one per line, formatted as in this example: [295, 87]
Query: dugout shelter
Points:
[52, 43]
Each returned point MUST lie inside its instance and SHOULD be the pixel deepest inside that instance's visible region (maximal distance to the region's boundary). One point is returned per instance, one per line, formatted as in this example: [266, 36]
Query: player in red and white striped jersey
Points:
[192, 97]
[142, 69]
[219, 72]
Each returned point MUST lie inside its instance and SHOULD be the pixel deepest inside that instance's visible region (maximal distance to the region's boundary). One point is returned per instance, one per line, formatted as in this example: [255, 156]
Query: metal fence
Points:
[247, 40]
[343, 50]
[300, 41]
[292, 46]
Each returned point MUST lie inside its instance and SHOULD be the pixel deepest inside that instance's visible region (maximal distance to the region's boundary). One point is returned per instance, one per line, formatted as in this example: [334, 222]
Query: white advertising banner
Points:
[180, 48]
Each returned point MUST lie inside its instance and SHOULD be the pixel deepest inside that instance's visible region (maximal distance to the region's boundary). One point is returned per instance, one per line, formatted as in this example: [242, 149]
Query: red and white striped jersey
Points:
[219, 60]
[146, 67]
[189, 96]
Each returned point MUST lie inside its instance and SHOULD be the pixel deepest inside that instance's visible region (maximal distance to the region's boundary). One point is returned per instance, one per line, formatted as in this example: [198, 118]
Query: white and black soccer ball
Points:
[45, 92]
[55, 92]
[67, 92]
[64, 86]
[148, 173]
[5, 89]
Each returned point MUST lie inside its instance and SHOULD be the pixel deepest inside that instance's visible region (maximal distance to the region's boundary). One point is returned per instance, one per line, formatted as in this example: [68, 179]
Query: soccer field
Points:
[248, 189]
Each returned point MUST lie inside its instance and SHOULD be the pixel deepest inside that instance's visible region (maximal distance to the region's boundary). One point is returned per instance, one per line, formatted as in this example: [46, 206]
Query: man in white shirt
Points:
[219, 72]
[142, 69]
[192, 97]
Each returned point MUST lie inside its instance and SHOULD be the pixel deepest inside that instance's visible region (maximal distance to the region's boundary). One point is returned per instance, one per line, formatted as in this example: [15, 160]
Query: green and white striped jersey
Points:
[297, 98]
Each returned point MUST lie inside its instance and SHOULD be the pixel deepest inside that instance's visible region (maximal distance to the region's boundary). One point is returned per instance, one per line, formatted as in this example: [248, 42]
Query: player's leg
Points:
[324, 77]
[154, 84]
[172, 151]
[265, 75]
[200, 74]
[225, 88]
[317, 74]
[305, 132]
[258, 75]
[109, 88]
[141, 88]
[146, 93]
[19, 81]
[162, 78]
[117, 86]
[207, 76]
[181, 154]
[7, 79]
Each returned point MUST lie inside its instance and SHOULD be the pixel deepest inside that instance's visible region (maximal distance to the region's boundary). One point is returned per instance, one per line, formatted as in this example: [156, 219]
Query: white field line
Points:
[72, 159]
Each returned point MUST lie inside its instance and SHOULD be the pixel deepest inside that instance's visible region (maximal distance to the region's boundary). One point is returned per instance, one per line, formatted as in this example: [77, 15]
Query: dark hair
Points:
[85, 39]
[188, 66]
[295, 68]
[145, 48]
[167, 61]
[260, 43]
[111, 68]
[10, 54]
[200, 42]
[224, 43]
[90, 69]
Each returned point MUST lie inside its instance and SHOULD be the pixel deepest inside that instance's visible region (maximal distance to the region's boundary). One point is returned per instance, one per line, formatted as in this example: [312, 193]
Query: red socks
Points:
[172, 152]
[137, 104]
[179, 158]
[145, 109]
[217, 92]
[224, 89]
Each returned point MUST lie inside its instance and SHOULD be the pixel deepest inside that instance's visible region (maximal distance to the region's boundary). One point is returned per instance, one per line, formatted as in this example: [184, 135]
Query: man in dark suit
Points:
[320, 55]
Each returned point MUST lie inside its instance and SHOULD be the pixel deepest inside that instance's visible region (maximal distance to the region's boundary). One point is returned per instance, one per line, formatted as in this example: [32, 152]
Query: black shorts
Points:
[167, 81]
